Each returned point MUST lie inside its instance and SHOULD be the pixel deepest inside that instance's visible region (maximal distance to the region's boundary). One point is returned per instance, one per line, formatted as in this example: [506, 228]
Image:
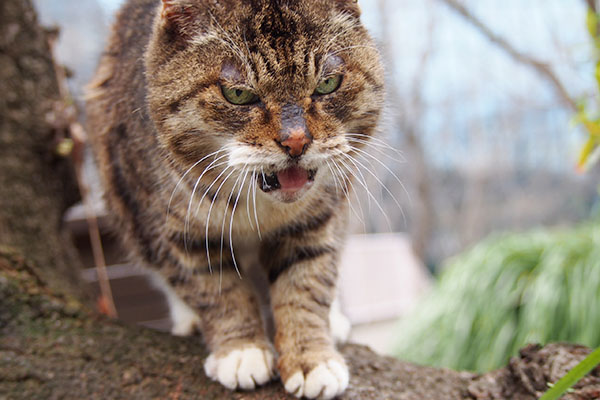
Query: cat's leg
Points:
[339, 324]
[184, 320]
[229, 318]
[302, 291]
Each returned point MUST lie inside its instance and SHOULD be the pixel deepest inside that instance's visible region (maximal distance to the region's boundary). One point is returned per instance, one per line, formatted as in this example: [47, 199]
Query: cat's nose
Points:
[295, 142]
[294, 136]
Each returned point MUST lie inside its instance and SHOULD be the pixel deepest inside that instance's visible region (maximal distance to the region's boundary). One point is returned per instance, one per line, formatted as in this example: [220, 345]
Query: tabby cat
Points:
[225, 132]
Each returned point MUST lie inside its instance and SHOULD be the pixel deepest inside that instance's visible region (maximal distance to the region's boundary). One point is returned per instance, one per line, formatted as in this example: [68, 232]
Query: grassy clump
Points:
[508, 291]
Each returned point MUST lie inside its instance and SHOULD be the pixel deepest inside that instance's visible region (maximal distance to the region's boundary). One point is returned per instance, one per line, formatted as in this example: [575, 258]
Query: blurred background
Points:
[480, 233]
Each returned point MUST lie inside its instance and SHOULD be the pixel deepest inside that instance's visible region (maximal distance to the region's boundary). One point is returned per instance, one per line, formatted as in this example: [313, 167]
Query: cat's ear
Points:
[180, 17]
[350, 6]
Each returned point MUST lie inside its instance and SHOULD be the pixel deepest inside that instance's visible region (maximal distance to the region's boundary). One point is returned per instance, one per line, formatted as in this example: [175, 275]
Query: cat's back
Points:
[119, 128]
[118, 86]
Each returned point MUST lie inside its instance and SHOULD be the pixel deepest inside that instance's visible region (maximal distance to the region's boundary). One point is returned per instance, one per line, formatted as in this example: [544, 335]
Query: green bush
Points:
[508, 291]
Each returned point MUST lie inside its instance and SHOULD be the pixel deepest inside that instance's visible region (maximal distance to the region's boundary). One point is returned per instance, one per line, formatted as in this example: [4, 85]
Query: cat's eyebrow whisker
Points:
[229, 42]
[353, 47]
[214, 153]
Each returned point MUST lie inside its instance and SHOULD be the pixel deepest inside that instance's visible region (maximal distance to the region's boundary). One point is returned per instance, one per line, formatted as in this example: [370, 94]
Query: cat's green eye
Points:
[329, 84]
[238, 96]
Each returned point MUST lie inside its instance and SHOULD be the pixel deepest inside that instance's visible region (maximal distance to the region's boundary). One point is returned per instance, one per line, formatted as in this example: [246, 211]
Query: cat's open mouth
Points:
[292, 181]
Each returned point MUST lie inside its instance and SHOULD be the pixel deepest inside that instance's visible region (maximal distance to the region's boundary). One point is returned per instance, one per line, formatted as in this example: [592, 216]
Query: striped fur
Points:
[180, 164]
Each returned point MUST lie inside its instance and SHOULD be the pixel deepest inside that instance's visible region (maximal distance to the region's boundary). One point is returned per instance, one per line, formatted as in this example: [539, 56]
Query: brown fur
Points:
[156, 109]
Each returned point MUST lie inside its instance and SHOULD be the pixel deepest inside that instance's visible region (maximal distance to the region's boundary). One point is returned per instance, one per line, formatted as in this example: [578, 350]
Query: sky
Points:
[110, 5]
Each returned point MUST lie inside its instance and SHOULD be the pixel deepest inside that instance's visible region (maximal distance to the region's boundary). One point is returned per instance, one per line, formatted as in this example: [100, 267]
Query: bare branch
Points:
[541, 68]
[591, 5]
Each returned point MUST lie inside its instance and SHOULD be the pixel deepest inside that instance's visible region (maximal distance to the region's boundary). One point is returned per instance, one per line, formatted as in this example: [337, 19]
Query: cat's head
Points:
[282, 91]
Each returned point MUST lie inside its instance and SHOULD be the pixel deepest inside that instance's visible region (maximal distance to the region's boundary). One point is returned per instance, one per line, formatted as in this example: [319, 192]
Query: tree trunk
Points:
[36, 185]
[53, 347]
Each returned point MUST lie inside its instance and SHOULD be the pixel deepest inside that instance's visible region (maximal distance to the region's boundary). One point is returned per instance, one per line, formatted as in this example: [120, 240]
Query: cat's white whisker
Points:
[345, 191]
[334, 176]
[384, 186]
[187, 216]
[380, 149]
[214, 181]
[186, 224]
[346, 180]
[365, 154]
[360, 176]
[374, 140]
[214, 153]
[358, 164]
[248, 199]
[369, 194]
[231, 223]
[225, 209]
[254, 183]
[212, 203]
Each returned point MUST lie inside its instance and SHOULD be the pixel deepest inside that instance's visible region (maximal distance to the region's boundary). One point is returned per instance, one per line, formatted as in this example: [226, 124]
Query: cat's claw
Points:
[325, 381]
[241, 368]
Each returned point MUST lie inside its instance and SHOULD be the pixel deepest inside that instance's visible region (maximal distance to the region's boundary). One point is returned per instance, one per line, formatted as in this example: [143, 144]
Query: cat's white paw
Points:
[325, 381]
[243, 368]
[339, 324]
[184, 320]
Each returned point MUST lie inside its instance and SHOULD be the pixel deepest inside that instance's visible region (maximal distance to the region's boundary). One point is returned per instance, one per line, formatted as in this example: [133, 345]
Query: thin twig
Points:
[79, 138]
[540, 67]
[591, 5]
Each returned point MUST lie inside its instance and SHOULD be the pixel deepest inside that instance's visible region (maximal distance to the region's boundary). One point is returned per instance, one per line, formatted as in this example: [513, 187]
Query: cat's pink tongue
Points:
[292, 178]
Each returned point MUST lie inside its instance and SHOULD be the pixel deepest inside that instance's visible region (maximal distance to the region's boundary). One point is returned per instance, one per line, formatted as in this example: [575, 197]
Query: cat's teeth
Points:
[268, 182]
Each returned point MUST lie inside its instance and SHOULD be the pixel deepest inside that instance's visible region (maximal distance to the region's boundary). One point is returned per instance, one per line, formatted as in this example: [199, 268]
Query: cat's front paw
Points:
[243, 368]
[325, 381]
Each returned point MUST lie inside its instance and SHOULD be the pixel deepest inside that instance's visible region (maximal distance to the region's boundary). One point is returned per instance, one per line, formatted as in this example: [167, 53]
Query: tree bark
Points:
[53, 347]
[36, 185]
